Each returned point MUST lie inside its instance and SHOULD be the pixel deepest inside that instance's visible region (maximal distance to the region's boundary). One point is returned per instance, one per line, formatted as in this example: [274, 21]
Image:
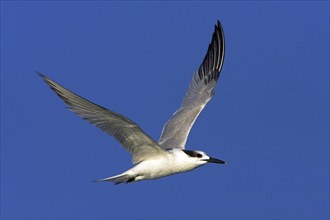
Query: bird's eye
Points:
[199, 155]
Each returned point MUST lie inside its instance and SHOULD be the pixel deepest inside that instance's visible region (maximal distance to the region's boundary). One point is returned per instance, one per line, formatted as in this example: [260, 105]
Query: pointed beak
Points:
[214, 160]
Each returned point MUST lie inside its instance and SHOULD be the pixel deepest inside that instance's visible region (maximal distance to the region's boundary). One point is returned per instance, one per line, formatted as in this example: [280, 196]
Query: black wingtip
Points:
[213, 60]
[45, 78]
[219, 24]
[216, 26]
[40, 74]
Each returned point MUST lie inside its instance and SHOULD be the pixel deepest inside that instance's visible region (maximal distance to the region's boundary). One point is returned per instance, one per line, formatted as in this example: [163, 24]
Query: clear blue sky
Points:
[269, 118]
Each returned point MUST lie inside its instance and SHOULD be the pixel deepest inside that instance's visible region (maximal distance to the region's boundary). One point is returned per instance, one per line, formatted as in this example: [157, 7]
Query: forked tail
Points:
[118, 179]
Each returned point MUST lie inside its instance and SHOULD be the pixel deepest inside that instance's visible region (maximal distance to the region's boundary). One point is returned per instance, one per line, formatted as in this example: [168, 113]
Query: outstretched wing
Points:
[129, 134]
[200, 91]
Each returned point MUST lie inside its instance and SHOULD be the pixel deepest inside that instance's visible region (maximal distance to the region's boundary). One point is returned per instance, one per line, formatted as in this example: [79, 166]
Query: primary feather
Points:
[199, 93]
[128, 133]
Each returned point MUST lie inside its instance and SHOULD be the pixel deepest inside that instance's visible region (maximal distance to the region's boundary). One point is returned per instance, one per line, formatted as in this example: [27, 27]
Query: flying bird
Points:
[168, 156]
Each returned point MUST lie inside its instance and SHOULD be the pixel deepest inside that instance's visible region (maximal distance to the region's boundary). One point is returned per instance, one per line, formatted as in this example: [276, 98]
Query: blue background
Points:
[269, 118]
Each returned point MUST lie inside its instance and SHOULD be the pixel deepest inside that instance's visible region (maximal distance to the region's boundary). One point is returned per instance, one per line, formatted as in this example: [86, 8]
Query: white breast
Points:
[175, 162]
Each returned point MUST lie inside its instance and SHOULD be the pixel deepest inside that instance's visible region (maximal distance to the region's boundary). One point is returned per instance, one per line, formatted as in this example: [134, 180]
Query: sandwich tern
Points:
[169, 156]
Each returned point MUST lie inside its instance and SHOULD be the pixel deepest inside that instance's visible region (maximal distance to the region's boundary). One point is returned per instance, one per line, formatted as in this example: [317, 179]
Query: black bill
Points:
[213, 160]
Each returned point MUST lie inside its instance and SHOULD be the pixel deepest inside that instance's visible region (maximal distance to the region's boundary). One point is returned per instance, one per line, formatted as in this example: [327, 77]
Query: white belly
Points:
[156, 168]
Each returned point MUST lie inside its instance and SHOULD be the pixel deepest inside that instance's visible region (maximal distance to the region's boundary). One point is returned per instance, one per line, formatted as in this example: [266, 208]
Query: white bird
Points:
[154, 160]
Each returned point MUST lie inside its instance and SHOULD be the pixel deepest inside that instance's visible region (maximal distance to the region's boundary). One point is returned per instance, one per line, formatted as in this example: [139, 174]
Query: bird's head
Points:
[201, 157]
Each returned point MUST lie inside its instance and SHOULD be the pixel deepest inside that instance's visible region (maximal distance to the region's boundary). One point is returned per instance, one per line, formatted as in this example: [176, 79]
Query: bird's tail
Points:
[118, 179]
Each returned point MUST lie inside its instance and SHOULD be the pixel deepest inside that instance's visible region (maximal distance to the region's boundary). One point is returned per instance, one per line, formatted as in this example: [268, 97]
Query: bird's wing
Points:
[200, 91]
[128, 133]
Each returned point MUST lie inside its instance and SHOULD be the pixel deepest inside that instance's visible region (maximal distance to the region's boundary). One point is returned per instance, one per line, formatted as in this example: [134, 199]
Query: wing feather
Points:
[128, 133]
[200, 91]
